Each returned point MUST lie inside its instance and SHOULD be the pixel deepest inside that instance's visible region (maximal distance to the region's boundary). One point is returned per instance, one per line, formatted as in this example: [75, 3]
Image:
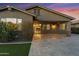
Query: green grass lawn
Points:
[14, 49]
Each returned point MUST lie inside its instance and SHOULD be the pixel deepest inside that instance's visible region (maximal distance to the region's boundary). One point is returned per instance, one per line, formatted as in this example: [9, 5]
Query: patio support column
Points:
[68, 28]
[41, 27]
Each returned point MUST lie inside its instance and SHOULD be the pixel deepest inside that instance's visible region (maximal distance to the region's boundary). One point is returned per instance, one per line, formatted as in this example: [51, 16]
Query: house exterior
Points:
[17, 22]
[20, 25]
[49, 21]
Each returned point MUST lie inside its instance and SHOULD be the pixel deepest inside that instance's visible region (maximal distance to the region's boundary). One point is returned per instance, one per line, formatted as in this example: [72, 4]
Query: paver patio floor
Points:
[55, 45]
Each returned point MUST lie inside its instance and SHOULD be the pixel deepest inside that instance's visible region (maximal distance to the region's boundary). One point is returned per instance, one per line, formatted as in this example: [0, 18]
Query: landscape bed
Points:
[15, 49]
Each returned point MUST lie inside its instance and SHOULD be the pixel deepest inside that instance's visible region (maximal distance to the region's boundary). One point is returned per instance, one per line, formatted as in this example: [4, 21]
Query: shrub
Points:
[6, 32]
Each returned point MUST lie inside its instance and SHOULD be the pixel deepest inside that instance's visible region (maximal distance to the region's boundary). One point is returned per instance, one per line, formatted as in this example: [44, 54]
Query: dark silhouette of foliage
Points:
[7, 32]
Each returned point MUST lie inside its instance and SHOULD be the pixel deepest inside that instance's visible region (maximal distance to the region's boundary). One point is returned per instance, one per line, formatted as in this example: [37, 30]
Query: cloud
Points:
[65, 5]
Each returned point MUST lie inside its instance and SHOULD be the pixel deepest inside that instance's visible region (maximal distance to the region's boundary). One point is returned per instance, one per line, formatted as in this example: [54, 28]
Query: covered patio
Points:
[47, 27]
[48, 21]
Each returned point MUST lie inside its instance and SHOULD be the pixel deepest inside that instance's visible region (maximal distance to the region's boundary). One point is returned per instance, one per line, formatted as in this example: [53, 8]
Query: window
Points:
[34, 11]
[48, 26]
[12, 23]
[19, 23]
[62, 26]
[43, 26]
[37, 11]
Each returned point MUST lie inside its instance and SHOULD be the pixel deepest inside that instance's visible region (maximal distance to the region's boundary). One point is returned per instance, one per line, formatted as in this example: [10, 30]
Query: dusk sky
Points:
[71, 9]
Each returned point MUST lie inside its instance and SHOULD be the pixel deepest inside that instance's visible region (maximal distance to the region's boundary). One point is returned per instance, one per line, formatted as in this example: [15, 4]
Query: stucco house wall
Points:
[27, 22]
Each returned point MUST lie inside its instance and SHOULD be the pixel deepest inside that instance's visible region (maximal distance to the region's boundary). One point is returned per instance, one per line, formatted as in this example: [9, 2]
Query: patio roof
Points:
[75, 22]
[41, 18]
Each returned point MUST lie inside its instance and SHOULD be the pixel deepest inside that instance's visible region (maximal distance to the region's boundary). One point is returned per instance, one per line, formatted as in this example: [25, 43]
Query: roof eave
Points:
[2, 8]
[56, 12]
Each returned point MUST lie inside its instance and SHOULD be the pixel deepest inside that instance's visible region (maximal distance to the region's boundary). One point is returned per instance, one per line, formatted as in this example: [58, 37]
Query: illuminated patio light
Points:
[53, 26]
